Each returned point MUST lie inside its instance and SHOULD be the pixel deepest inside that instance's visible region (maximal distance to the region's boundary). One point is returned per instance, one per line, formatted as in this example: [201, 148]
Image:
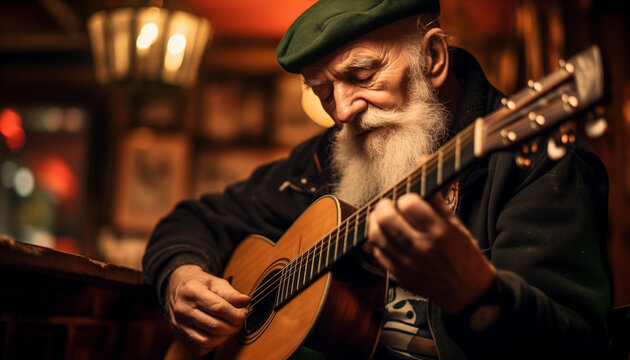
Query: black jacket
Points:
[542, 227]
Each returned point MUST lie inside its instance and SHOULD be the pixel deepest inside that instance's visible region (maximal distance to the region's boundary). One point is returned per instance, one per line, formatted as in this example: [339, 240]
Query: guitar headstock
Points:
[546, 104]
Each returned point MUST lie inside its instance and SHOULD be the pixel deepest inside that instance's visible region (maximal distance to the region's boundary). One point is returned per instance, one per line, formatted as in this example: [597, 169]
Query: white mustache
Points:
[373, 118]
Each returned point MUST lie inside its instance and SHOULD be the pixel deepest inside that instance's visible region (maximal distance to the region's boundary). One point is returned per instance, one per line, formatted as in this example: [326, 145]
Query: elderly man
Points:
[513, 266]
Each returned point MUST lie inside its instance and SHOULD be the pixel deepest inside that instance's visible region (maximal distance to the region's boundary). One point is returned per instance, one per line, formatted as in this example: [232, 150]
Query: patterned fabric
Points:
[405, 330]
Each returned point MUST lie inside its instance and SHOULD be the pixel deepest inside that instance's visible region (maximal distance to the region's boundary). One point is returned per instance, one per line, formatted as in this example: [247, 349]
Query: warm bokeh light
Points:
[73, 121]
[11, 129]
[176, 44]
[118, 51]
[175, 52]
[55, 175]
[24, 182]
[313, 108]
[52, 119]
[147, 36]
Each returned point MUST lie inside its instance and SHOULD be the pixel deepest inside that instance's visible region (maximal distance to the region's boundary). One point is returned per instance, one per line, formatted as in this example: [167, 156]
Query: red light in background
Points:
[11, 128]
[54, 173]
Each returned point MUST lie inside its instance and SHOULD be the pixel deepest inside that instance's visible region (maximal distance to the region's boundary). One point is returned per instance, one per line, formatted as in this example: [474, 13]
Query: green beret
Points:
[329, 24]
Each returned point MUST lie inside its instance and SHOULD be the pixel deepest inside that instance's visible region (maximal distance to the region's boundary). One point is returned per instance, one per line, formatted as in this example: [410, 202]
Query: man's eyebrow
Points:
[361, 63]
[358, 63]
[313, 82]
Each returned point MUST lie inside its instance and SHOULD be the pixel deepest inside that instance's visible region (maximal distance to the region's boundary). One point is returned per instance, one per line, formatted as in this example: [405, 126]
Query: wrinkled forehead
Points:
[357, 54]
[366, 52]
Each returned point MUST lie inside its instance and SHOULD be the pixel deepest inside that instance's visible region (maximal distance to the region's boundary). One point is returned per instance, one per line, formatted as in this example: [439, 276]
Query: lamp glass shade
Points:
[148, 44]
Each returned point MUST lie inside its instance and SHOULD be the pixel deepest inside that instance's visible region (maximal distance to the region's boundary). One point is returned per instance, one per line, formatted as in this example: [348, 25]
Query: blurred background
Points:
[110, 114]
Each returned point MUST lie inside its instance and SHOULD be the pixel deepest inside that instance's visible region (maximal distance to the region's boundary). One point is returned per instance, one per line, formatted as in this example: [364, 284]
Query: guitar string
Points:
[268, 287]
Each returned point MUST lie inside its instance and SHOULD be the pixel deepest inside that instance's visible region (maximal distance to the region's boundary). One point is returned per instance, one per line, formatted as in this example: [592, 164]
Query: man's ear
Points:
[436, 52]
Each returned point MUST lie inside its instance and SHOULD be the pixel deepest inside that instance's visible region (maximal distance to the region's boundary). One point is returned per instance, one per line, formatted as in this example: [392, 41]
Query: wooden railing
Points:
[55, 305]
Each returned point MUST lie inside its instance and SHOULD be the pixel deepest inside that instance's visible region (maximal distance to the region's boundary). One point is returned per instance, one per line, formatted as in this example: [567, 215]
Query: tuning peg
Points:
[596, 125]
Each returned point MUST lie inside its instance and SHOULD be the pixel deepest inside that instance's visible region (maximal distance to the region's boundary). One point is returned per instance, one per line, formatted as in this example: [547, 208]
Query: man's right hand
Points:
[204, 309]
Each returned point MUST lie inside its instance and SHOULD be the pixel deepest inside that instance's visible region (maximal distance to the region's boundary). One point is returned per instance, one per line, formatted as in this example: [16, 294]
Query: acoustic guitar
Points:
[310, 289]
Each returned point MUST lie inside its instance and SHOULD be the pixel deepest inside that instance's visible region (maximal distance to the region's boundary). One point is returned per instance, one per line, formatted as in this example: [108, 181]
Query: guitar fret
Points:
[458, 144]
[292, 281]
[328, 250]
[394, 194]
[310, 265]
[340, 247]
[299, 271]
[336, 245]
[308, 253]
[287, 288]
[408, 184]
[439, 169]
[315, 254]
[345, 240]
[423, 181]
[304, 267]
[356, 229]
[321, 255]
[289, 281]
[287, 291]
[367, 219]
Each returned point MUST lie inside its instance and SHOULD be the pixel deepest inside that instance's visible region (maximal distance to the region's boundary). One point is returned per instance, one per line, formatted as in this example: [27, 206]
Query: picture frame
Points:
[232, 110]
[218, 168]
[152, 176]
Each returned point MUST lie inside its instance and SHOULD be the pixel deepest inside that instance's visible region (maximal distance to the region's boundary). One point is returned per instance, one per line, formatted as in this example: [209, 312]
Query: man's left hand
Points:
[429, 251]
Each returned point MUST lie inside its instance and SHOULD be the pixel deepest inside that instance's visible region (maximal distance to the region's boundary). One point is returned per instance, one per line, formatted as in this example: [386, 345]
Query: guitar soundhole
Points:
[262, 305]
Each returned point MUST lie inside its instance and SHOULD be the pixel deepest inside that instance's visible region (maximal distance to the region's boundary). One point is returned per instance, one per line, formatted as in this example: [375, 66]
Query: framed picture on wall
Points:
[216, 169]
[152, 176]
[232, 110]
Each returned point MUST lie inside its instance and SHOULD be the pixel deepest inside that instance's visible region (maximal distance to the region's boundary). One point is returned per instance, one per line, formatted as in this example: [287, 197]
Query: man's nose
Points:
[348, 103]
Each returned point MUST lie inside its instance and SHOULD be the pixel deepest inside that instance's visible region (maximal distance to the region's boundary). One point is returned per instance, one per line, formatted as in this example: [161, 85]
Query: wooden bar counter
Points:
[55, 305]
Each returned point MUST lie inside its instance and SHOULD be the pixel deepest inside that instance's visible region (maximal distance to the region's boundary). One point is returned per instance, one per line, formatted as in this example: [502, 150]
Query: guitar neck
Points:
[541, 106]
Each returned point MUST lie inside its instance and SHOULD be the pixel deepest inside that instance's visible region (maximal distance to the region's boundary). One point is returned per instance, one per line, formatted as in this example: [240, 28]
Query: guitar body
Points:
[339, 314]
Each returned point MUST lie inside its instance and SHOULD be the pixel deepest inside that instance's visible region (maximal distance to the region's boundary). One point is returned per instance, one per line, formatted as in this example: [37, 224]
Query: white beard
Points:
[365, 167]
